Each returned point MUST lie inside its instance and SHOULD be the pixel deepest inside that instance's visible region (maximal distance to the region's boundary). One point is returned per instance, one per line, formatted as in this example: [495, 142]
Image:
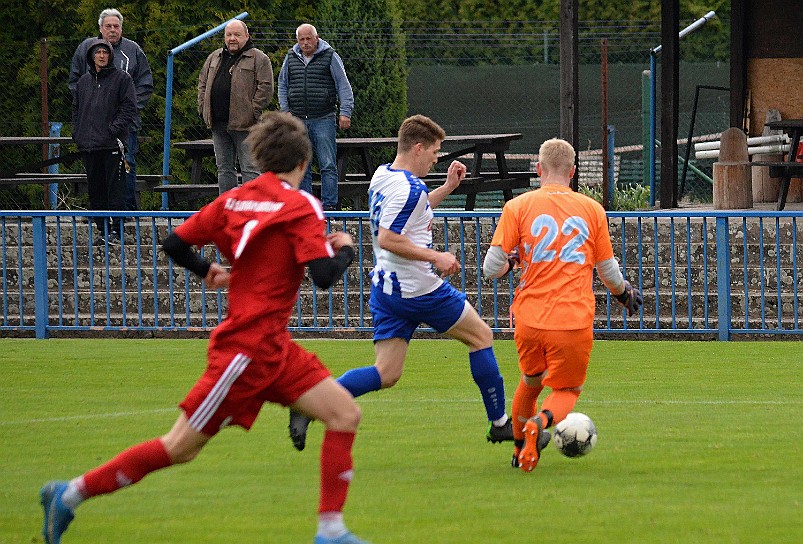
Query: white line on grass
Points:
[86, 416]
[625, 401]
[430, 400]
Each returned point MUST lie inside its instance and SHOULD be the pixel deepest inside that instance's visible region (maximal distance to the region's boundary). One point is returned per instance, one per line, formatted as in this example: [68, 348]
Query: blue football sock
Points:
[485, 372]
[359, 381]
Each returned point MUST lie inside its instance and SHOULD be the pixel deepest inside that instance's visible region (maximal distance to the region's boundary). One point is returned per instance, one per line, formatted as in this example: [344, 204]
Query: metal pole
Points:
[53, 188]
[645, 126]
[44, 104]
[688, 142]
[652, 128]
[691, 133]
[168, 122]
[723, 279]
[606, 180]
[612, 165]
[653, 53]
[40, 276]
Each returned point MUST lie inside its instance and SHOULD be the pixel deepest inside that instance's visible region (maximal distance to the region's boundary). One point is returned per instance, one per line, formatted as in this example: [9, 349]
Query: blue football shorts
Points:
[397, 317]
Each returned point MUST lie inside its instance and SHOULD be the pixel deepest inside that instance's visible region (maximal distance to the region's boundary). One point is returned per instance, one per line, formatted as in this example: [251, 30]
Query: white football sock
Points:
[330, 524]
[501, 421]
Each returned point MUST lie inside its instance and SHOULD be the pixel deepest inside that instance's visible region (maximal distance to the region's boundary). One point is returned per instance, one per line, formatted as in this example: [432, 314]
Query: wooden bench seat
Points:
[193, 193]
[145, 182]
[777, 169]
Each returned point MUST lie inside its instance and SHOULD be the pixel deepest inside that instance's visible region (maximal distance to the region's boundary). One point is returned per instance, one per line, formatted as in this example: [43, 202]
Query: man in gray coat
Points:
[128, 57]
[234, 87]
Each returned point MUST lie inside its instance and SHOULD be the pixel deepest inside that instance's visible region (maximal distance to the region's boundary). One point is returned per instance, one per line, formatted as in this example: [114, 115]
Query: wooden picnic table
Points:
[8, 141]
[355, 184]
[790, 167]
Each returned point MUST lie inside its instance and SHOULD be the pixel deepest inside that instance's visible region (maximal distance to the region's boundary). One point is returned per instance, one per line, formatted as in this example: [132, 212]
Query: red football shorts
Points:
[234, 387]
[564, 355]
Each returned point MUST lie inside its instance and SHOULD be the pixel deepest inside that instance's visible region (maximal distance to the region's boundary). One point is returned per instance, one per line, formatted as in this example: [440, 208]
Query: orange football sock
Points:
[560, 402]
[525, 405]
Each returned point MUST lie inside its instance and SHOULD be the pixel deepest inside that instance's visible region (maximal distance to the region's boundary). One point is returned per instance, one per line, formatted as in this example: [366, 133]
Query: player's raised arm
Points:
[182, 254]
[454, 176]
[326, 270]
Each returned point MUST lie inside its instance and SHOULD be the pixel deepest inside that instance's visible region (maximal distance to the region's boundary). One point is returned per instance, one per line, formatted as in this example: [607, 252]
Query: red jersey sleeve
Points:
[307, 232]
[205, 226]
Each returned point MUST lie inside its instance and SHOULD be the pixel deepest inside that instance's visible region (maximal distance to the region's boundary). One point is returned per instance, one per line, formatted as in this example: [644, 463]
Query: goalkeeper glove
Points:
[630, 298]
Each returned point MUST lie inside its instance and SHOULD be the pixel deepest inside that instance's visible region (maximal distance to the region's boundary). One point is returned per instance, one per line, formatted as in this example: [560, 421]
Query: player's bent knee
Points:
[533, 381]
[389, 373]
[346, 418]
[179, 453]
[390, 381]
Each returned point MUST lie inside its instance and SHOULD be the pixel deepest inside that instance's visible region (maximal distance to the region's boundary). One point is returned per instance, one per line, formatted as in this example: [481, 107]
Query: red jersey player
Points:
[269, 231]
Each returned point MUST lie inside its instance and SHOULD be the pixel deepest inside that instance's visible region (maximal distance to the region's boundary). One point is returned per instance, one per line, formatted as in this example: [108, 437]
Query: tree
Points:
[367, 35]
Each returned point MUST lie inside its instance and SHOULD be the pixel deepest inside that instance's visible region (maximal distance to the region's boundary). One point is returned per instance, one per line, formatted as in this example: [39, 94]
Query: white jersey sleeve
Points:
[398, 201]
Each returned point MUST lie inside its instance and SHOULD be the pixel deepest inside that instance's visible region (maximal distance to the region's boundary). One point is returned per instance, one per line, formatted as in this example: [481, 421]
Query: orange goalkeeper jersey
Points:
[561, 236]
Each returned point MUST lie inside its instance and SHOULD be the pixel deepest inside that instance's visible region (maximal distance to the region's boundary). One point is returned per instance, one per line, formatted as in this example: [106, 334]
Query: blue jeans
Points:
[131, 148]
[230, 146]
[323, 135]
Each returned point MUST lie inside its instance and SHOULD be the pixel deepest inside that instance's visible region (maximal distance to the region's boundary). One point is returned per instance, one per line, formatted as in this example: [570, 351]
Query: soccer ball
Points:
[576, 435]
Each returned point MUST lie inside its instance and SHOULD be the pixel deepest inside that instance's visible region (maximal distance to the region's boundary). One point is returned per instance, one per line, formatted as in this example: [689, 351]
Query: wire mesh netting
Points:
[471, 77]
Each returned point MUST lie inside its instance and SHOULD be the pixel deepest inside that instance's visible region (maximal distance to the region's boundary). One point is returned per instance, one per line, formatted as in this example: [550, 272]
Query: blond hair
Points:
[556, 156]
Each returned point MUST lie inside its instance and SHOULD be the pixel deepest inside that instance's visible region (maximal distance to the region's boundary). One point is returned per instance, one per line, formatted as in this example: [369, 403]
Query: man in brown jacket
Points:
[234, 86]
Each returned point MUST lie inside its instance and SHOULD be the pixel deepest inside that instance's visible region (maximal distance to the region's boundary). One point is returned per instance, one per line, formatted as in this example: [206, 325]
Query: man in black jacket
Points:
[104, 107]
[129, 57]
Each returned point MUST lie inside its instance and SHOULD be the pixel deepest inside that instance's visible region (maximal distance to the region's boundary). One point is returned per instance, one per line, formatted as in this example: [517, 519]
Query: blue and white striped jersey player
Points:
[407, 280]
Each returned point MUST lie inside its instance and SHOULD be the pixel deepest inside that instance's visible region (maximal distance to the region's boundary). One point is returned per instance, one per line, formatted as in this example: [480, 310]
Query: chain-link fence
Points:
[477, 77]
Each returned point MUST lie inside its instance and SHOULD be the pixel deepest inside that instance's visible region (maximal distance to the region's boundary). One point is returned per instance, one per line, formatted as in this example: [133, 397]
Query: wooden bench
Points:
[192, 193]
[778, 169]
[784, 170]
[145, 182]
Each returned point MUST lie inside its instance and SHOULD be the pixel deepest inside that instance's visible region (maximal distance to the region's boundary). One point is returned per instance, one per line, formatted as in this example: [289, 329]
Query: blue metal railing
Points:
[703, 273]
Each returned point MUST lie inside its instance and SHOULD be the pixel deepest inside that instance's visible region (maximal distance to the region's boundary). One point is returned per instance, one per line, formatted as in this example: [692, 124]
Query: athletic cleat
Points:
[500, 434]
[517, 445]
[535, 440]
[57, 515]
[348, 538]
[298, 429]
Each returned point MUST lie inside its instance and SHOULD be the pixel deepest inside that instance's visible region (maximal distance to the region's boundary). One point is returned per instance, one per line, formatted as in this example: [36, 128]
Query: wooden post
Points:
[670, 55]
[732, 182]
[569, 77]
[765, 187]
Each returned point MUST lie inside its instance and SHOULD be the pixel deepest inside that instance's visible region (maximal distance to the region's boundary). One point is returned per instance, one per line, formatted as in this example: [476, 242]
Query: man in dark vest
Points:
[312, 82]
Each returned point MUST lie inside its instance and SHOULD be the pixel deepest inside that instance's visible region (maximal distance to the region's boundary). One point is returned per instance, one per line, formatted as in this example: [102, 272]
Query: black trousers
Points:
[105, 177]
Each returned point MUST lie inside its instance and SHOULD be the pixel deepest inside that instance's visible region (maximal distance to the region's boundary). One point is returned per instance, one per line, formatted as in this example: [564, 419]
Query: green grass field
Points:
[698, 442]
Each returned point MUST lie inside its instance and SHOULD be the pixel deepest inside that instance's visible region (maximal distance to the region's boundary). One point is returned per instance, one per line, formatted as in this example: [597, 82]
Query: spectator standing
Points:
[234, 87]
[269, 232]
[312, 82]
[130, 58]
[103, 110]
[559, 237]
[406, 289]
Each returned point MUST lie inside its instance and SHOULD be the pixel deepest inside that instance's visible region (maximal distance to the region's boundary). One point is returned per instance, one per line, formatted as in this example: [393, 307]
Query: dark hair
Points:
[419, 129]
[279, 142]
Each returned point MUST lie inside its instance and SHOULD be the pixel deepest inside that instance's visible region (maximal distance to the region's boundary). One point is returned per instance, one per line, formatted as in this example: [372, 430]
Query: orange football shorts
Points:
[563, 355]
